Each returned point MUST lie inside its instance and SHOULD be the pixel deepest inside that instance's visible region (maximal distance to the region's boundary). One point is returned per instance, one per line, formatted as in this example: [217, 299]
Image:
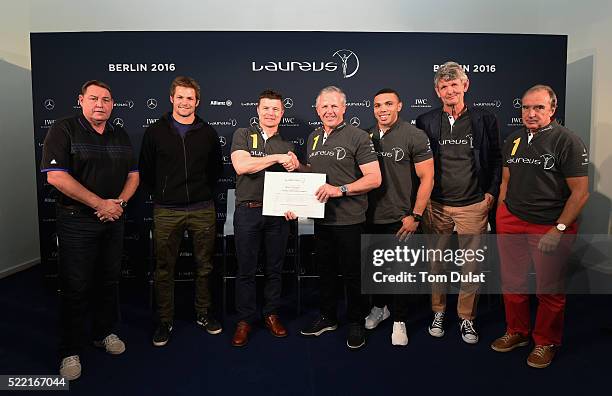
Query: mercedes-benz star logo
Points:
[516, 103]
[151, 103]
[355, 121]
[222, 141]
[345, 56]
[288, 103]
[118, 122]
[49, 104]
[254, 121]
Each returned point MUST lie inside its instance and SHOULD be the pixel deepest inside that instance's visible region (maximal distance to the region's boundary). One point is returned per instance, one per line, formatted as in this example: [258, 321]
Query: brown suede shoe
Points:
[275, 326]
[541, 356]
[241, 336]
[508, 342]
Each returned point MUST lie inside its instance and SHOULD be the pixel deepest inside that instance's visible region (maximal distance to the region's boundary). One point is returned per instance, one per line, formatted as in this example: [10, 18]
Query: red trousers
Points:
[518, 253]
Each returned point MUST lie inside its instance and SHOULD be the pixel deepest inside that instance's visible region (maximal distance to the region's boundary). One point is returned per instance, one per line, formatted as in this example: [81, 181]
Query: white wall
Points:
[589, 100]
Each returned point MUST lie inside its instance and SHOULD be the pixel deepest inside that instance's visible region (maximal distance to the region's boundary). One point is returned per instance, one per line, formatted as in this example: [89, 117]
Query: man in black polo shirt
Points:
[398, 205]
[347, 156]
[92, 165]
[180, 162]
[544, 188]
[257, 150]
[465, 145]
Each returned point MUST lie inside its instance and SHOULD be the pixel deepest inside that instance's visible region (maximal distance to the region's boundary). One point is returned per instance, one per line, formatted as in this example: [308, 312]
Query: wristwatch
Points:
[123, 203]
[417, 217]
[561, 227]
[344, 190]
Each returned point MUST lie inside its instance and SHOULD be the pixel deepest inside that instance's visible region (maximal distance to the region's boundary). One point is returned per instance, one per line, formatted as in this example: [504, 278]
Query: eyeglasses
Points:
[536, 108]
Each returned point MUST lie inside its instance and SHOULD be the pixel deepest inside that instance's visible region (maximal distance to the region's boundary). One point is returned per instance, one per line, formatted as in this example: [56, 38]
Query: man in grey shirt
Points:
[346, 155]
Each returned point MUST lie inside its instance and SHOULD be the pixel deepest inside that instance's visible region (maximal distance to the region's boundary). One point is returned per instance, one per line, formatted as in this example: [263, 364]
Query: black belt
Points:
[251, 204]
[77, 209]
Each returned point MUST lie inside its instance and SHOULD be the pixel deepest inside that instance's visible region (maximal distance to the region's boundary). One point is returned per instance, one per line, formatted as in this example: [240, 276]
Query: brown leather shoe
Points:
[275, 326]
[241, 336]
[541, 356]
[509, 342]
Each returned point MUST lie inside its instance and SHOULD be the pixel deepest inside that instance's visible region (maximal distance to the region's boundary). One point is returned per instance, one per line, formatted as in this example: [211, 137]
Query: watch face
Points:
[561, 227]
[123, 204]
[343, 189]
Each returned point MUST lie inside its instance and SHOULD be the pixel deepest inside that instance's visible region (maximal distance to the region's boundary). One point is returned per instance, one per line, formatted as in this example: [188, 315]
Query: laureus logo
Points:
[340, 153]
[549, 161]
[350, 62]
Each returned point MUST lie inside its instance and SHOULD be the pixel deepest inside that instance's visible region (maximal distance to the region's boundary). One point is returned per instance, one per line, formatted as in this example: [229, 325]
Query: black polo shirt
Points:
[100, 162]
[249, 187]
[537, 189]
[345, 149]
[456, 176]
[402, 146]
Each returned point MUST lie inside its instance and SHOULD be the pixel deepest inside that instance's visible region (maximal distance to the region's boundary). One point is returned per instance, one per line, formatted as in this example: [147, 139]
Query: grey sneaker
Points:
[468, 332]
[376, 316]
[112, 344]
[71, 367]
[399, 335]
[436, 328]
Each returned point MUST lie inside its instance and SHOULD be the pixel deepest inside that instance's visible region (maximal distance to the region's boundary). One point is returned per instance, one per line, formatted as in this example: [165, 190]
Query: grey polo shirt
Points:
[402, 146]
[456, 177]
[249, 187]
[537, 189]
[345, 149]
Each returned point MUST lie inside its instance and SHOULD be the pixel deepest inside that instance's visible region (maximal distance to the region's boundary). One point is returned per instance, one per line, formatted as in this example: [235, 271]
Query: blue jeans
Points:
[89, 270]
[250, 228]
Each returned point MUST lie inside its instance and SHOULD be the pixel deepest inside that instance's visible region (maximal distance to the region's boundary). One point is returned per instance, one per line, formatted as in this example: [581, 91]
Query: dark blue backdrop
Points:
[233, 67]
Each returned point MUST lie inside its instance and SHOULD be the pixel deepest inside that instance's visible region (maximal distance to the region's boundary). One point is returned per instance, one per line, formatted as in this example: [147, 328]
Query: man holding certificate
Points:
[256, 150]
[346, 155]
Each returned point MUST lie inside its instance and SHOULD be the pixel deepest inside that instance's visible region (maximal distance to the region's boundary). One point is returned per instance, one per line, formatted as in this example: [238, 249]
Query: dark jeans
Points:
[397, 303]
[337, 250]
[170, 226]
[250, 227]
[89, 270]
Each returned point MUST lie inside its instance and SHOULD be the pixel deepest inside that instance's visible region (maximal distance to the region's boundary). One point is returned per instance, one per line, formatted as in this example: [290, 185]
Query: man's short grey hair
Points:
[450, 71]
[549, 90]
[331, 89]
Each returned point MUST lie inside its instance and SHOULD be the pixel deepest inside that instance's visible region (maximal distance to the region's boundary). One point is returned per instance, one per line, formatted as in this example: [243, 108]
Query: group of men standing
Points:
[448, 180]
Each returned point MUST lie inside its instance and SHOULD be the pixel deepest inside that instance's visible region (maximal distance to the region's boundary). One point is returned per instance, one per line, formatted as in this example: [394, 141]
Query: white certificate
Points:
[293, 191]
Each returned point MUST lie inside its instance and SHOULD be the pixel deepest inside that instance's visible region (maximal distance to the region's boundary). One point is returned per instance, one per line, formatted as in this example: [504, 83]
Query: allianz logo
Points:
[227, 103]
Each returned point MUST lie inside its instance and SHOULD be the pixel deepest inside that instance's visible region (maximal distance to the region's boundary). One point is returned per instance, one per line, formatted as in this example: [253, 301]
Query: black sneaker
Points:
[319, 326]
[210, 324]
[468, 332]
[356, 336]
[162, 334]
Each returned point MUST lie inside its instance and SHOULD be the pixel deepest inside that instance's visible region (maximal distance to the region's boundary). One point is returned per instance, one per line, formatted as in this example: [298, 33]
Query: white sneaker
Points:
[376, 316]
[71, 367]
[112, 344]
[399, 335]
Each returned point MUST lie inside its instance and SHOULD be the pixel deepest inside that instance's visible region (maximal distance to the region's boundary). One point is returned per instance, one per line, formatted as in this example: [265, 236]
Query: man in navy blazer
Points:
[467, 161]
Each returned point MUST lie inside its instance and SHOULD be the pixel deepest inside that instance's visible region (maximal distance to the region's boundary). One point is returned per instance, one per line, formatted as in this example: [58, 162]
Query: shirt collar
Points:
[108, 127]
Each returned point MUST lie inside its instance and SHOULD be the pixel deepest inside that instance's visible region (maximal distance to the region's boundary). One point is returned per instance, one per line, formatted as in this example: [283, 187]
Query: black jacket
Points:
[487, 150]
[177, 170]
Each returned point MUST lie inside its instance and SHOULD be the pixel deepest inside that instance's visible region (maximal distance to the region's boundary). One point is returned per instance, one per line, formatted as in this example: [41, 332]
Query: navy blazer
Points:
[486, 141]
